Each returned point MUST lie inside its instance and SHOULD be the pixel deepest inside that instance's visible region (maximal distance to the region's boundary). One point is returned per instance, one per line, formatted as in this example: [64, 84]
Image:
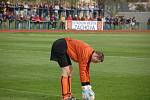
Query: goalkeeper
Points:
[65, 48]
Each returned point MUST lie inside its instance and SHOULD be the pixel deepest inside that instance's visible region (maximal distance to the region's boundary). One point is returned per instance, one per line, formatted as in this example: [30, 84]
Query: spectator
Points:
[91, 8]
[127, 23]
[115, 22]
[77, 18]
[17, 9]
[82, 18]
[107, 26]
[86, 18]
[86, 10]
[61, 10]
[91, 18]
[11, 18]
[5, 16]
[56, 8]
[18, 21]
[133, 22]
[26, 7]
[148, 24]
[99, 18]
[1, 20]
[95, 13]
[69, 17]
[62, 22]
[53, 21]
[48, 21]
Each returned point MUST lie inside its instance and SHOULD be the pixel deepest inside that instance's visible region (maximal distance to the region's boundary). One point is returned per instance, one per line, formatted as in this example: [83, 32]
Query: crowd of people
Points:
[52, 13]
[25, 10]
[44, 12]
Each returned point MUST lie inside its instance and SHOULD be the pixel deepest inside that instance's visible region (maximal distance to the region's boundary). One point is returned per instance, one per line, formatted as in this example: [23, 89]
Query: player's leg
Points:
[70, 81]
[66, 82]
[59, 54]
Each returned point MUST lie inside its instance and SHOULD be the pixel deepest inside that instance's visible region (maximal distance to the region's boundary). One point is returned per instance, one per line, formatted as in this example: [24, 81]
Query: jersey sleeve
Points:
[84, 64]
[84, 72]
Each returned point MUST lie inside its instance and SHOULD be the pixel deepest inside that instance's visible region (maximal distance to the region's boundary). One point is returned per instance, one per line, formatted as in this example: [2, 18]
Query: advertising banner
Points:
[85, 25]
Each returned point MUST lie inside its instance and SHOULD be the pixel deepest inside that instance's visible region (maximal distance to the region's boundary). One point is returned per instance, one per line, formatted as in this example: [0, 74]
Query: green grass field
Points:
[27, 74]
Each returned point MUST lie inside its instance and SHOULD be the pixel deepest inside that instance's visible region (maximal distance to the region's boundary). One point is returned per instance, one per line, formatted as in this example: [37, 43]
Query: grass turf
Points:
[27, 74]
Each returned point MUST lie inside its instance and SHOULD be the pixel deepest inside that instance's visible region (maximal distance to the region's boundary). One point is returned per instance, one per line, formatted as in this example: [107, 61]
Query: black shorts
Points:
[59, 53]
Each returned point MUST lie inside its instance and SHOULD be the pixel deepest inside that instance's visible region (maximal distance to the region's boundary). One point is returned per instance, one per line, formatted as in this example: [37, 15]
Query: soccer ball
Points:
[87, 97]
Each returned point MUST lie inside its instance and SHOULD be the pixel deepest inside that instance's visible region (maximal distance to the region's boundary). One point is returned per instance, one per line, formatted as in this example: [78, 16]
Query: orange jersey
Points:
[80, 52]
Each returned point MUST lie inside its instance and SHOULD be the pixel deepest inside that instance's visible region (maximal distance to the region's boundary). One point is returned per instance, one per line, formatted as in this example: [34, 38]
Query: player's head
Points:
[97, 57]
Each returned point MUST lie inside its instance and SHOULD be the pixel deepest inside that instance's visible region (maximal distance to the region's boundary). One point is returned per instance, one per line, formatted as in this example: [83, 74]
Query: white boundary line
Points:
[22, 91]
[130, 57]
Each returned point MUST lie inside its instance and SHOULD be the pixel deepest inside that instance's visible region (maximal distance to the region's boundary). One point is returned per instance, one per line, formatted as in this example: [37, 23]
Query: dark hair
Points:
[101, 55]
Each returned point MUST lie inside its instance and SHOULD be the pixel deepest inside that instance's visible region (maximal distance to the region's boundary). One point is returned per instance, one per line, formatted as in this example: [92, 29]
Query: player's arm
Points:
[87, 92]
[84, 74]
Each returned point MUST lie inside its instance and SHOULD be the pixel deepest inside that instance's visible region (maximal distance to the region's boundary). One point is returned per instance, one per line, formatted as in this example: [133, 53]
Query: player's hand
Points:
[87, 93]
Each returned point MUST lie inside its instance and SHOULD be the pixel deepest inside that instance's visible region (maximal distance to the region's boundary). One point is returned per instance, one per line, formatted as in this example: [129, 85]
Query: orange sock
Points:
[65, 87]
[69, 85]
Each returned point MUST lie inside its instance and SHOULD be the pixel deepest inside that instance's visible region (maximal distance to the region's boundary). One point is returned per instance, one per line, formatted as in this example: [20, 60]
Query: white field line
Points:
[5, 50]
[28, 92]
[129, 57]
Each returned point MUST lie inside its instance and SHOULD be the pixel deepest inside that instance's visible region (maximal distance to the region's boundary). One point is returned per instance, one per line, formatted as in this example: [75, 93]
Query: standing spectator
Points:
[90, 18]
[82, 18]
[61, 10]
[128, 21]
[133, 22]
[62, 22]
[1, 20]
[5, 16]
[86, 10]
[95, 13]
[78, 9]
[40, 10]
[11, 18]
[18, 22]
[115, 22]
[69, 17]
[99, 18]
[148, 24]
[53, 21]
[107, 23]
[51, 9]
[91, 8]
[81, 8]
[75, 17]
[121, 22]
[68, 11]
[72, 11]
[48, 21]
[56, 7]
[86, 18]
[45, 10]
[17, 9]
[26, 7]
